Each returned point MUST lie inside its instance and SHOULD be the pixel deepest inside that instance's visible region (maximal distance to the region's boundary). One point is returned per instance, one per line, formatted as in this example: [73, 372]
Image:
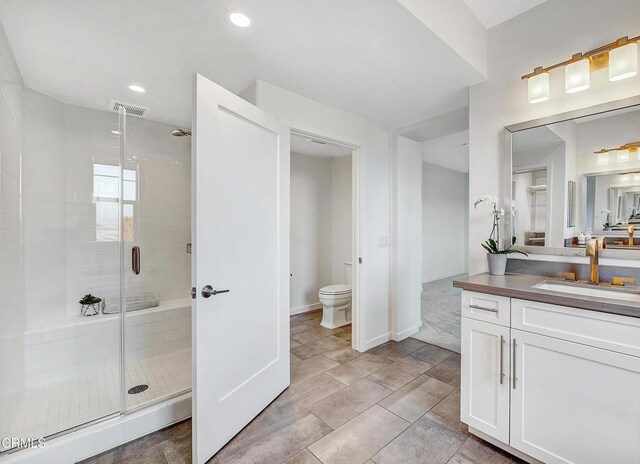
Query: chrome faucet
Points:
[594, 246]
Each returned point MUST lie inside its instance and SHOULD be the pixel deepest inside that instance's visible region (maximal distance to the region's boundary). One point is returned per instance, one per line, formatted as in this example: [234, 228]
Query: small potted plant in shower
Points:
[90, 305]
[496, 258]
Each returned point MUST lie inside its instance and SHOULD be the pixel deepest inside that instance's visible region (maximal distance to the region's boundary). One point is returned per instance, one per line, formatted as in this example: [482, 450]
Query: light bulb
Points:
[538, 86]
[623, 62]
[577, 76]
[622, 156]
[603, 158]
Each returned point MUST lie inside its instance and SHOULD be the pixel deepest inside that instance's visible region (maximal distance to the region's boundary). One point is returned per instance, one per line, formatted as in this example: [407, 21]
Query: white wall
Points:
[375, 217]
[12, 321]
[321, 231]
[406, 268]
[311, 263]
[539, 37]
[341, 219]
[64, 259]
[444, 222]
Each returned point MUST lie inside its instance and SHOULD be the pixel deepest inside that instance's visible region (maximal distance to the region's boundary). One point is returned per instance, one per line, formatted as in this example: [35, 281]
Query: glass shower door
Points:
[60, 358]
[156, 225]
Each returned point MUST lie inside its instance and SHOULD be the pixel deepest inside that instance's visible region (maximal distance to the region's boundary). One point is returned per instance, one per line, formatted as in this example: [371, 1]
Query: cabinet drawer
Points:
[487, 308]
[602, 330]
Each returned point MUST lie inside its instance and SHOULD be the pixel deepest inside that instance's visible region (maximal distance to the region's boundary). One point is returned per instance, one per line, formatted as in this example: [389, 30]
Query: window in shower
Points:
[106, 179]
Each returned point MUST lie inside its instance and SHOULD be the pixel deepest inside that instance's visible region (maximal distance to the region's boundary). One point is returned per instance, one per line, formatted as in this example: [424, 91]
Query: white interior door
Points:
[240, 244]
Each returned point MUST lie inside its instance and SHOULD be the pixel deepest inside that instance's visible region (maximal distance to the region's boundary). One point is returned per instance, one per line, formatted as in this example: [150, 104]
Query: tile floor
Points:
[441, 314]
[52, 408]
[398, 403]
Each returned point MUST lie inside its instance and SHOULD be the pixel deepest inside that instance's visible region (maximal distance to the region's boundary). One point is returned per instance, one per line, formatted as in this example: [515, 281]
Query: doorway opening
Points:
[324, 240]
[445, 212]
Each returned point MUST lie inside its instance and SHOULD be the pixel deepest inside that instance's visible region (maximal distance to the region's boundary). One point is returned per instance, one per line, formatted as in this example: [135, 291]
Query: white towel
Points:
[134, 302]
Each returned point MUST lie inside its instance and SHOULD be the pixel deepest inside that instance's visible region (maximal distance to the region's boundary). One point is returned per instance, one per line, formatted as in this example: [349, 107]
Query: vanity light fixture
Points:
[622, 153]
[620, 56]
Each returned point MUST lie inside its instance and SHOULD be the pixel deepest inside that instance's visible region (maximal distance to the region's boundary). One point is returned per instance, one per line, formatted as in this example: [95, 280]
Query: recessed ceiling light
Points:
[115, 132]
[240, 19]
[137, 88]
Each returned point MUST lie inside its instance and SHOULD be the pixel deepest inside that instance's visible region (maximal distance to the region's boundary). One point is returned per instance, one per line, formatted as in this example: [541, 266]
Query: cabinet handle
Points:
[483, 308]
[501, 358]
[513, 357]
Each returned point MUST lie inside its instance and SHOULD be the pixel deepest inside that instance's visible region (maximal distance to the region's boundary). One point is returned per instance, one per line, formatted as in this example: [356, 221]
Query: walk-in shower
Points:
[95, 219]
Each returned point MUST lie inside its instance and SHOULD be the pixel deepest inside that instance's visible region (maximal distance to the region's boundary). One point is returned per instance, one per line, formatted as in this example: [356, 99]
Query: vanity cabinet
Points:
[571, 386]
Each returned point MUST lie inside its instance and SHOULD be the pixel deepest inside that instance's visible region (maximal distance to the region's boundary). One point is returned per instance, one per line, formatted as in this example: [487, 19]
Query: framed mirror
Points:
[575, 176]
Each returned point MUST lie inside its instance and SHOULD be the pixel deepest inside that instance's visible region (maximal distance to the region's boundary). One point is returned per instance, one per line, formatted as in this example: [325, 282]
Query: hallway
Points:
[440, 308]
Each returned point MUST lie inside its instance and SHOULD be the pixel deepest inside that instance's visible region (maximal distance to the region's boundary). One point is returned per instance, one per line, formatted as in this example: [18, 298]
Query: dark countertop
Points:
[521, 286]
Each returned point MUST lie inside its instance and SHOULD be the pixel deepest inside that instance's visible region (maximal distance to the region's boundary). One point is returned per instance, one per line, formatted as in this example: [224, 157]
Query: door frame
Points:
[357, 316]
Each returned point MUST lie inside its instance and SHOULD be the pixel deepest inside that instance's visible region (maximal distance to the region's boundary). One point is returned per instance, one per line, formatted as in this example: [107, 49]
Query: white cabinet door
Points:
[572, 403]
[485, 378]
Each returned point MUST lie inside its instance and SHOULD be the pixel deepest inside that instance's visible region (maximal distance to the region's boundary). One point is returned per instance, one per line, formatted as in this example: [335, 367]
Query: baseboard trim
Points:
[305, 309]
[399, 336]
[376, 341]
[103, 436]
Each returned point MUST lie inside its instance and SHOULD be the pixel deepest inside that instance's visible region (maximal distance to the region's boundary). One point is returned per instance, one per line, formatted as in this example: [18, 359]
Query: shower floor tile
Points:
[56, 407]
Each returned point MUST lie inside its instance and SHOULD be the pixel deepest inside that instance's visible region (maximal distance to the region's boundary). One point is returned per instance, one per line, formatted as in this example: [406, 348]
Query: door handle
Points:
[513, 355]
[208, 290]
[501, 359]
[483, 308]
[135, 259]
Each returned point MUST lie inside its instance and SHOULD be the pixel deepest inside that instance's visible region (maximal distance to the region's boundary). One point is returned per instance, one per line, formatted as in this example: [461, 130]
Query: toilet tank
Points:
[348, 273]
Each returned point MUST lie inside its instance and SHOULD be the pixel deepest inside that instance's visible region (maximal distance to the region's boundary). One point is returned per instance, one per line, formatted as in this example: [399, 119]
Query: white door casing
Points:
[240, 211]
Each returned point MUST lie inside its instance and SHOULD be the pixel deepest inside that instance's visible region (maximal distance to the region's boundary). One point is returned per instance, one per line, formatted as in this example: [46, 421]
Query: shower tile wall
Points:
[11, 302]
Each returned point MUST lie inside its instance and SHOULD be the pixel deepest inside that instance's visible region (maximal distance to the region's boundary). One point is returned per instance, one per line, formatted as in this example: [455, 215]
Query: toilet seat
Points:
[338, 289]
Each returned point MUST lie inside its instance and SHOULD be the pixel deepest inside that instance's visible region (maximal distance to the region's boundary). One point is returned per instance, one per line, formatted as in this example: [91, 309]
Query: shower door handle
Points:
[208, 290]
[135, 259]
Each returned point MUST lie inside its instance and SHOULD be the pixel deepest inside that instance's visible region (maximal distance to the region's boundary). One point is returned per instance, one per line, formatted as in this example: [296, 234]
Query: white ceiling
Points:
[493, 12]
[304, 146]
[437, 126]
[374, 59]
[536, 137]
[450, 151]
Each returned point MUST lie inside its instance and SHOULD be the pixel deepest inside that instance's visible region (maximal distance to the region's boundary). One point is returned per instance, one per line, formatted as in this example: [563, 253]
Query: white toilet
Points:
[336, 305]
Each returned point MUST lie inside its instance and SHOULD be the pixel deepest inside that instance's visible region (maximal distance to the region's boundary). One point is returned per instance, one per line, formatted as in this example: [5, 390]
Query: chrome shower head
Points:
[180, 132]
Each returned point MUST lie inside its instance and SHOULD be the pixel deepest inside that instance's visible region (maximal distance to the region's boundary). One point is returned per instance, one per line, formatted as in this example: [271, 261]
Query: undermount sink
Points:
[611, 293]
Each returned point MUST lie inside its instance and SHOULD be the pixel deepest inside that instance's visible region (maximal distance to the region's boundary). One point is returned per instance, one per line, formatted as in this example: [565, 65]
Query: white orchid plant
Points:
[492, 245]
